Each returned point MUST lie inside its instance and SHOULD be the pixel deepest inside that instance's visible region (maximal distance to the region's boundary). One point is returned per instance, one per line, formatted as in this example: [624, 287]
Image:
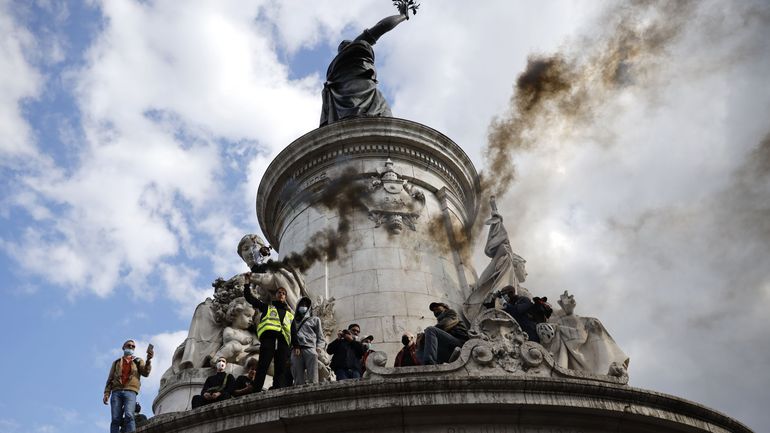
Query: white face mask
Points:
[302, 310]
[221, 365]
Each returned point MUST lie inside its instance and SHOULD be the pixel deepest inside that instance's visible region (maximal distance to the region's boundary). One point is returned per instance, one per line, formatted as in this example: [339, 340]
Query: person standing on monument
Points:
[441, 340]
[274, 333]
[307, 341]
[351, 89]
[123, 384]
[368, 345]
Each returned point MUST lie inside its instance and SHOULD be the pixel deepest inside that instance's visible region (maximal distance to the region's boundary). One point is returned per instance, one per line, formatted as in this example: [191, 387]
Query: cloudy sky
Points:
[133, 135]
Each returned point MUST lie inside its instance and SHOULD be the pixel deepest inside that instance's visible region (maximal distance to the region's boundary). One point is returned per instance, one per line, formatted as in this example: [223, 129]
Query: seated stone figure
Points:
[266, 276]
[582, 343]
[238, 341]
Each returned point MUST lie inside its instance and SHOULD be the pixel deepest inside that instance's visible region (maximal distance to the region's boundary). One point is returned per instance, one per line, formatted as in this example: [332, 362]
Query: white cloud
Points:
[164, 345]
[163, 92]
[19, 80]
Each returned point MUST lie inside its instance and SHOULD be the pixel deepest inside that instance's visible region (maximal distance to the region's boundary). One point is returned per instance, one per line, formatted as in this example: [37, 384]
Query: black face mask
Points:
[405, 340]
[436, 313]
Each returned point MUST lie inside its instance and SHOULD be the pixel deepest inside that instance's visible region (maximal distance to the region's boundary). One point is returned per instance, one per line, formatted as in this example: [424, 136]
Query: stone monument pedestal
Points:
[507, 404]
[399, 260]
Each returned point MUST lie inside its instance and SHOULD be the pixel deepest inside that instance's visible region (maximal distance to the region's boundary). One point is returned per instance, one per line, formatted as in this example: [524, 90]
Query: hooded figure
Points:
[506, 269]
[307, 342]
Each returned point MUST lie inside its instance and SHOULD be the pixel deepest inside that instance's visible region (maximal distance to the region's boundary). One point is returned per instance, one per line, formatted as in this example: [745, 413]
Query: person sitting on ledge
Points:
[217, 387]
[346, 354]
[407, 356]
[528, 313]
[441, 340]
[245, 383]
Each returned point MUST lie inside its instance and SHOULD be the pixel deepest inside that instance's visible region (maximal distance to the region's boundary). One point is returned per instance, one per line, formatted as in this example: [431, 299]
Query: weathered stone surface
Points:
[397, 261]
[432, 404]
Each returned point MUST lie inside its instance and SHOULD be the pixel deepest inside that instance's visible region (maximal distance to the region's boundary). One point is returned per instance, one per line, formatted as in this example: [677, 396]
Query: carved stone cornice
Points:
[301, 166]
[451, 403]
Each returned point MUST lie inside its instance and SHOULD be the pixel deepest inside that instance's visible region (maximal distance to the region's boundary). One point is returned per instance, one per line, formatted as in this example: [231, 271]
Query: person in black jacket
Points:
[245, 384]
[217, 387]
[346, 353]
[274, 333]
[441, 340]
[528, 313]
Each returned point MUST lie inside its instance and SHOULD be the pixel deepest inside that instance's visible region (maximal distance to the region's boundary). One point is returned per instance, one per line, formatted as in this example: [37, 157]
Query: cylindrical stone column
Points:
[420, 183]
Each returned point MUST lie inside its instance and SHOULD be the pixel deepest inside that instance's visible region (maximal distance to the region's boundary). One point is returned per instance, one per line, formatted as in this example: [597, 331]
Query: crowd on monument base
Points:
[293, 342]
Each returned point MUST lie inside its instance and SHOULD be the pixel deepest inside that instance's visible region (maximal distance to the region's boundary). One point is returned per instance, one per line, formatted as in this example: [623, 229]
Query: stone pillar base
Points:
[452, 405]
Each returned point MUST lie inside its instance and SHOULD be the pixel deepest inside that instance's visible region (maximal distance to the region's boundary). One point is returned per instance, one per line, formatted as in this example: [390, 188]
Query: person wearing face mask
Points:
[346, 356]
[245, 383]
[307, 341]
[368, 344]
[122, 386]
[441, 340]
[407, 356]
[217, 387]
[274, 333]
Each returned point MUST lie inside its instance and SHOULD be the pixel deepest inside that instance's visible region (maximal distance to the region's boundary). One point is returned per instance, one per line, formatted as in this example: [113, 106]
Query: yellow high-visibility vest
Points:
[271, 322]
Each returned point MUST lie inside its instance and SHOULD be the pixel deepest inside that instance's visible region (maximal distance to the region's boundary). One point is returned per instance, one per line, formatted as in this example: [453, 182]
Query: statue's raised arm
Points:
[350, 89]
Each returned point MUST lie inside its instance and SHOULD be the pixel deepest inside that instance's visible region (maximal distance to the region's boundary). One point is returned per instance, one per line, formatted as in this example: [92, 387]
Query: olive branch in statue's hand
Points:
[403, 7]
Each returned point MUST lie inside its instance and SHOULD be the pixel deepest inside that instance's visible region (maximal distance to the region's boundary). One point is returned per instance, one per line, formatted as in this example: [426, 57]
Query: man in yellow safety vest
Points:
[274, 333]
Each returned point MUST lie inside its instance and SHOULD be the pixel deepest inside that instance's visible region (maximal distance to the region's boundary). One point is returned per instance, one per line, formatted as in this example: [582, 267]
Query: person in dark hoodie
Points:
[527, 312]
[346, 353]
[307, 341]
[274, 333]
[217, 387]
[441, 340]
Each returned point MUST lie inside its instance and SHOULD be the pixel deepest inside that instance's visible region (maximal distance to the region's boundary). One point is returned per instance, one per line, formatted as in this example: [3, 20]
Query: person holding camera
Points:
[527, 312]
[346, 354]
[123, 384]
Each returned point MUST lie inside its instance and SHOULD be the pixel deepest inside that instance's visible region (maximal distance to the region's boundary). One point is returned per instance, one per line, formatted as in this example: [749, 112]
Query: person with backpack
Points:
[122, 386]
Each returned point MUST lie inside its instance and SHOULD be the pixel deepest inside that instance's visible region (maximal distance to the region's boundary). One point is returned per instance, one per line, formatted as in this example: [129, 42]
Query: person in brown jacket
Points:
[123, 386]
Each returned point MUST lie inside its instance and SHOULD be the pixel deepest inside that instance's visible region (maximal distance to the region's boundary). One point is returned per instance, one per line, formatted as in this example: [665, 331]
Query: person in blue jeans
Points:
[122, 386]
[346, 354]
[440, 341]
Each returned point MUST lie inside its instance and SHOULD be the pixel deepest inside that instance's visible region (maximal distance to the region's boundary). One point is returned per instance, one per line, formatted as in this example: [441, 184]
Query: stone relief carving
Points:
[497, 346]
[238, 341]
[224, 324]
[266, 278]
[393, 201]
[324, 309]
[582, 343]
